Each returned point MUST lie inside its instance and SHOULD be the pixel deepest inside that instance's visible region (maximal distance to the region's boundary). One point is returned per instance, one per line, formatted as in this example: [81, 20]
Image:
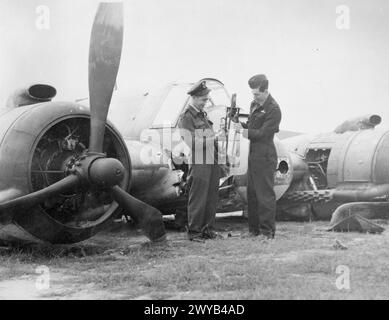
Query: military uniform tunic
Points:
[204, 172]
[263, 123]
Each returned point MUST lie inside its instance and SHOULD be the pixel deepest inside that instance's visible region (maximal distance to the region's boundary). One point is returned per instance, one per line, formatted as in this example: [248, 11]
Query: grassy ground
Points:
[301, 263]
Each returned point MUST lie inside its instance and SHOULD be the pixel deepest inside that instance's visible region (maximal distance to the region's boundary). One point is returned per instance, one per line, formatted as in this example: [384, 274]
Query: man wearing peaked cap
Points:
[204, 172]
[262, 124]
[199, 89]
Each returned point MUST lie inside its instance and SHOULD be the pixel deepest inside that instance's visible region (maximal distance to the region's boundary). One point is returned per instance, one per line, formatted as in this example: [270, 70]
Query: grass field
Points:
[301, 263]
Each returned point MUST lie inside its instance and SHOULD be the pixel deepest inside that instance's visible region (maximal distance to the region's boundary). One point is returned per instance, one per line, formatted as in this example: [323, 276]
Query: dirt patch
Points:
[301, 263]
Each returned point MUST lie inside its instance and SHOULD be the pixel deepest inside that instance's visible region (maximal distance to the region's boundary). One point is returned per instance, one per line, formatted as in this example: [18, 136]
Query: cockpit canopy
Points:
[161, 107]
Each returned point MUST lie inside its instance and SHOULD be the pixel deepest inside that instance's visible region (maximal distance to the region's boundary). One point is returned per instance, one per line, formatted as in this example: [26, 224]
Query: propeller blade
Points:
[148, 217]
[8, 208]
[104, 59]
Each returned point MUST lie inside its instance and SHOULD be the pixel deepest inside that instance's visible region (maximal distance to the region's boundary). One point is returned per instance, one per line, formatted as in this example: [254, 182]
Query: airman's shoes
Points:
[249, 235]
[212, 235]
[195, 236]
[256, 236]
[205, 235]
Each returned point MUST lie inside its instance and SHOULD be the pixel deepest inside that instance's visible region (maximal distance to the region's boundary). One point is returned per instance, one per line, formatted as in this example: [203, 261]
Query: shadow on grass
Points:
[31, 252]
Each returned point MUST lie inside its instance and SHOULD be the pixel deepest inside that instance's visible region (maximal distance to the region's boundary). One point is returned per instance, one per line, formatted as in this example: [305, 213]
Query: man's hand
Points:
[237, 126]
[220, 133]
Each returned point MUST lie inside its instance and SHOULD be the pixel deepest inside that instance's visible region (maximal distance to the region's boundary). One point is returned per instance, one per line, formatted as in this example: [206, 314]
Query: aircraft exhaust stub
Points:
[361, 123]
[30, 95]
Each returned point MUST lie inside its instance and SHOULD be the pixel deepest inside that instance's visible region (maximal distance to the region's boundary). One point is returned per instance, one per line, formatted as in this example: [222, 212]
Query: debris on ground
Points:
[339, 246]
[356, 223]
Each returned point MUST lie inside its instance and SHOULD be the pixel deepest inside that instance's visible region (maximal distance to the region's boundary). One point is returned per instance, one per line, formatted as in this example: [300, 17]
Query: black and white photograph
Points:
[207, 151]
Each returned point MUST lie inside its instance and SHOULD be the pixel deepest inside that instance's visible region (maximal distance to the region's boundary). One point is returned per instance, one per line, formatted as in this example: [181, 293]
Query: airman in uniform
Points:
[204, 172]
[262, 124]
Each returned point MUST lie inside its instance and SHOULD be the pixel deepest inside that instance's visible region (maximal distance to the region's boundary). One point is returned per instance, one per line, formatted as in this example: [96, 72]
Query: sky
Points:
[321, 70]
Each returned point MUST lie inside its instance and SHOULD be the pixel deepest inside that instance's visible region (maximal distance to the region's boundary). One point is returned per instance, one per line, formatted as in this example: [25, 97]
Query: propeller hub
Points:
[106, 172]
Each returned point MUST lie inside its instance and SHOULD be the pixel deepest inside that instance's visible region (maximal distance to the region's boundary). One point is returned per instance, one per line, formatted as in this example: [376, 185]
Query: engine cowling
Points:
[38, 143]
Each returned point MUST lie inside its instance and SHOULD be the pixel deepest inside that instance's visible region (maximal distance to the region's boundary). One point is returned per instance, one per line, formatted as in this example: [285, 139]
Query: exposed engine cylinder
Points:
[32, 94]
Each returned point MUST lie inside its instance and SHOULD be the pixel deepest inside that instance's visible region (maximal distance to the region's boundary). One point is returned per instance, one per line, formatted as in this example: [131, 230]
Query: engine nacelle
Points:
[352, 157]
[361, 157]
[37, 144]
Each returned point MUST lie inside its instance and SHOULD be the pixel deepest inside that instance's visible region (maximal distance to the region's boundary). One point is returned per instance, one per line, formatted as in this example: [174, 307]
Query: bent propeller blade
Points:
[148, 217]
[104, 59]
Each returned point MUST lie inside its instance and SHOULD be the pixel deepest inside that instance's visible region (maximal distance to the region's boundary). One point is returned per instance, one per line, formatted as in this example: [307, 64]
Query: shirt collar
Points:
[197, 111]
[266, 100]
[265, 104]
[194, 108]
